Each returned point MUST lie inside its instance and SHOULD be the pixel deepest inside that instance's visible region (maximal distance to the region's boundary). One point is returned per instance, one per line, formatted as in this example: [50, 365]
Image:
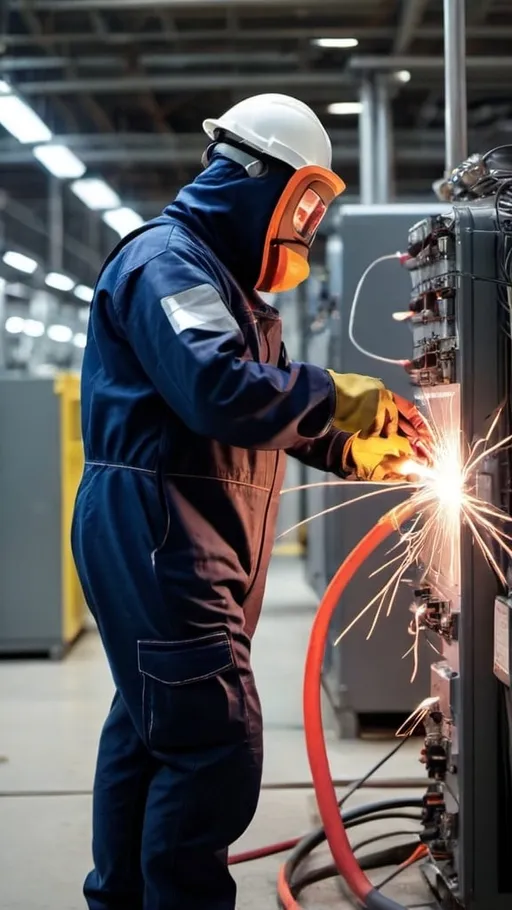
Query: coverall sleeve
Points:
[175, 317]
[325, 453]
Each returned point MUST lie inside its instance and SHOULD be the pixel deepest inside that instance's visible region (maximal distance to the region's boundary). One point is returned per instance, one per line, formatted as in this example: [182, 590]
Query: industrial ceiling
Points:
[125, 85]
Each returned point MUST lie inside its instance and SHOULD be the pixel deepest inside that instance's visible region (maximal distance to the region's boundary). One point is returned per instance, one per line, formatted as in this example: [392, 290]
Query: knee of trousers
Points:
[201, 716]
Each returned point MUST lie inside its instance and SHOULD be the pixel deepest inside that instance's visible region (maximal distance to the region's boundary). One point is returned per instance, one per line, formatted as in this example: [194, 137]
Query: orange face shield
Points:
[293, 226]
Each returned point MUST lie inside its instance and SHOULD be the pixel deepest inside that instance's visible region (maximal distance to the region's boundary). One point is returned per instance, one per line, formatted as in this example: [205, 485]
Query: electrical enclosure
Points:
[461, 369]
[366, 678]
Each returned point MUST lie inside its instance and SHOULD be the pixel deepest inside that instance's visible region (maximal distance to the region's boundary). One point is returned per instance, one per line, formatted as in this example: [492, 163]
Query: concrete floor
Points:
[50, 717]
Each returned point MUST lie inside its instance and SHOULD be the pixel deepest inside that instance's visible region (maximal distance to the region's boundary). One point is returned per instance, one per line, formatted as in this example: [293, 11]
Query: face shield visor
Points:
[293, 227]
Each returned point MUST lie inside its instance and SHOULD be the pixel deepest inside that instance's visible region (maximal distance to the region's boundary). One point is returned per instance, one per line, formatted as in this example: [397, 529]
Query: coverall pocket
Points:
[192, 694]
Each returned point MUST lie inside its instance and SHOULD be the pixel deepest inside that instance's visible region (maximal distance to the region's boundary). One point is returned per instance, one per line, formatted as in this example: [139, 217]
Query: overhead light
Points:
[123, 220]
[20, 262]
[345, 107]
[96, 194]
[20, 120]
[80, 340]
[335, 42]
[59, 282]
[60, 161]
[60, 333]
[84, 293]
[14, 325]
[5, 88]
[403, 76]
[33, 328]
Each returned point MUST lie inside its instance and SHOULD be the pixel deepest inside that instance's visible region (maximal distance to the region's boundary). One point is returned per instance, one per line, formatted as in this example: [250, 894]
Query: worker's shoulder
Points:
[163, 244]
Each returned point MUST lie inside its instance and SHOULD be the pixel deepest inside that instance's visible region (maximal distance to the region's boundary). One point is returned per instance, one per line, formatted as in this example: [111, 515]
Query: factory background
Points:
[101, 106]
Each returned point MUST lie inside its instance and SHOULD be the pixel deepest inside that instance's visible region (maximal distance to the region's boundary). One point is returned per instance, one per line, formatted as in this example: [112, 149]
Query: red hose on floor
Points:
[339, 844]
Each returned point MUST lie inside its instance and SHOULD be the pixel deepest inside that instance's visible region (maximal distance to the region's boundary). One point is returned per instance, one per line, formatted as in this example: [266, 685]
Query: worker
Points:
[189, 404]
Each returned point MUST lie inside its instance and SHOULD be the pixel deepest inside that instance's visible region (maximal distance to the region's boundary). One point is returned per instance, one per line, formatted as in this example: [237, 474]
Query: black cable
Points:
[351, 817]
[358, 784]
[393, 856]
[377, 816]
[396, 872]
[309, 843]
[377, 837]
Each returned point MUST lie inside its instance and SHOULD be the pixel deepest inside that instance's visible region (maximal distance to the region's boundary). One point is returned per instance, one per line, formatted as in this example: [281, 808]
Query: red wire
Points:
[261, 852]
[339, 844]
[327, 800]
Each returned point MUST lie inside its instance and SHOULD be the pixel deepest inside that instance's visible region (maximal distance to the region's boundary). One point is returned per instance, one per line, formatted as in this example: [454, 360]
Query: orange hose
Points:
[339, 844]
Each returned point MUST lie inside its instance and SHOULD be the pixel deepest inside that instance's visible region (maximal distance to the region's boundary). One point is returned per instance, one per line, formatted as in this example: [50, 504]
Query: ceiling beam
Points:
[162, 61]
[411, 16]
[98, 116]
[376, 63]
[186, 83]
[203, 6]
[177, 143]
[171, 158]
[364, 33]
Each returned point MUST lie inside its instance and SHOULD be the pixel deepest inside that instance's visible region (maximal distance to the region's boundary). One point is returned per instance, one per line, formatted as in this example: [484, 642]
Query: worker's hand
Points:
[414, 426]
[378, 458]
[363, 405]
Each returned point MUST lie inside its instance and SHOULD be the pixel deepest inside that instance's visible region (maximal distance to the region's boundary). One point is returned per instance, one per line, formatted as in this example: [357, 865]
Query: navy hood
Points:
[231, 212]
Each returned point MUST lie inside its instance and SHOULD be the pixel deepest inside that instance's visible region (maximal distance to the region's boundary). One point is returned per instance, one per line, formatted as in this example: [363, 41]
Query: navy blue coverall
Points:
[188, 406]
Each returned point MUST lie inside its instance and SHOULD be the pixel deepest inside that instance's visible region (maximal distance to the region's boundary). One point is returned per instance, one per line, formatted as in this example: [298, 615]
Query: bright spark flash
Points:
[445, 497]
[418, 715]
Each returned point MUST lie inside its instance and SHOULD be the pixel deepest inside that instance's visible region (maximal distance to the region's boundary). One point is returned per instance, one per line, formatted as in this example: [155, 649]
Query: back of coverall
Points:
[188, 406]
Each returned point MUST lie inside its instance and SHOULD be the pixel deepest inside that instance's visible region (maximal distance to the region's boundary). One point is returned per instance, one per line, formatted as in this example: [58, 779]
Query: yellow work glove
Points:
[378, 458]
[363, 405]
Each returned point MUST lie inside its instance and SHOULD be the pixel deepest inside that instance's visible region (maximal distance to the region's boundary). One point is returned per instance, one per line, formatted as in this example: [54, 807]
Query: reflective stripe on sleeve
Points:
[200, 308]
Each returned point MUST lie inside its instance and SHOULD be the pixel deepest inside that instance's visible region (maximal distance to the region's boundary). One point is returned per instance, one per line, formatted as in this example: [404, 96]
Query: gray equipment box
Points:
[41, 605]
[367, 677]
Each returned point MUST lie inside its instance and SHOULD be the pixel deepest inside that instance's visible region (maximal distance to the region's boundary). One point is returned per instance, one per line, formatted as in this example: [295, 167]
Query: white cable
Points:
[353, 308]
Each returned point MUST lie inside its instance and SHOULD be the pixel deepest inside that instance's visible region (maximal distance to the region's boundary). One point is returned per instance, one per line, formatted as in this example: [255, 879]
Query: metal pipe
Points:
[193, 83]
[192, 142]
[55, 224]
[187, 155]
[167, 61]
[384, 189]
[478, 63]
[412, 13]
[456, 111]
[2, 323]
[65, 39]
[367, 143]
[80, 6]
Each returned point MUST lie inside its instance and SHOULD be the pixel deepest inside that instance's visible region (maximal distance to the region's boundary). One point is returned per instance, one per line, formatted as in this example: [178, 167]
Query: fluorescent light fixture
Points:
[96, 194]
[335, 42]
[33, 328]
[21, 121]
[123, 220]
[59, 282]
[20, 262]
[84, 293]
[14, 325]
[5, 88]
[60, 161]
[80, 340]
[61, 333]
[403, 76]
[345, 107]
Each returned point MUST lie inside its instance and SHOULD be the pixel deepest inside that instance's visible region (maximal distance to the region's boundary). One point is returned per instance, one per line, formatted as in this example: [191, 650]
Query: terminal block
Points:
[431, 264]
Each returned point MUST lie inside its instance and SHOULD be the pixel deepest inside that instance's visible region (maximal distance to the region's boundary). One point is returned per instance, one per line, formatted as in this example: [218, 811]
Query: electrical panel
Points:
[457, 370]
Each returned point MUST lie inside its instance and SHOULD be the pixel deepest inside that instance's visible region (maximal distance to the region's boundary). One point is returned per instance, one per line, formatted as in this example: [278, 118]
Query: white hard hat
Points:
[278, 125]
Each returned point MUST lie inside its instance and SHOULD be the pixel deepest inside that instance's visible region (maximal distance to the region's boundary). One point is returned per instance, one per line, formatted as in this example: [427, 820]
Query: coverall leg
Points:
[180, 757]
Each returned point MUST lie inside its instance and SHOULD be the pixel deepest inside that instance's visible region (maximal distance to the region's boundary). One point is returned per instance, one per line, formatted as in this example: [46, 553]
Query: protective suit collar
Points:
[231, 212]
